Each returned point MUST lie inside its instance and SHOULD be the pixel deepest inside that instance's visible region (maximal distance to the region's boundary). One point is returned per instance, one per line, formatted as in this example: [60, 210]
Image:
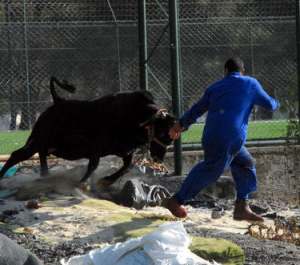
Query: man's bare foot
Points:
[174, 207]
[242, 211]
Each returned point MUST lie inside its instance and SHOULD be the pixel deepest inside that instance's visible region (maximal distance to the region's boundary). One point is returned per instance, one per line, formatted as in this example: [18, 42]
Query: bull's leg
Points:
[106, 181]
[93, 164]
[43, 163]
[17, 156]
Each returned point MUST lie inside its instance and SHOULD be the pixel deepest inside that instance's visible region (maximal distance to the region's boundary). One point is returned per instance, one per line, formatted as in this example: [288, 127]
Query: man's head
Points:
[234, 64]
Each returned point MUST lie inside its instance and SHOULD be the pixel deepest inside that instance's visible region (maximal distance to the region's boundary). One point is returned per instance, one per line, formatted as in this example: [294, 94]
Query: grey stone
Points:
[13, 254]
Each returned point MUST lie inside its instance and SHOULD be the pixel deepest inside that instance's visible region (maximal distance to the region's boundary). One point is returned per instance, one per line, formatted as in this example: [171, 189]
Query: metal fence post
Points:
[143, 50]
[26, 51]
[298, 51]
[13, 115]
[175, 77]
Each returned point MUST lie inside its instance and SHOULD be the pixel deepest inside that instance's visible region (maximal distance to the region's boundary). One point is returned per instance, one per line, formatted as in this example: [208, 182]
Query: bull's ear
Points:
[152, 109]
[148, 114]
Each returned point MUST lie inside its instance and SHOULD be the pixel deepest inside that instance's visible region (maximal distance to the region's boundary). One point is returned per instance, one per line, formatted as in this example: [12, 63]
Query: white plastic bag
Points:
[168, 245]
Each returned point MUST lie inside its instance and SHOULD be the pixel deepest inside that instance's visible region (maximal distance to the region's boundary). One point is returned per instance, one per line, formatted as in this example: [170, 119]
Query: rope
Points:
[152, 50]
[163, 32]
[112, 11]
[155, 48]
[159, 83]
[157, 42]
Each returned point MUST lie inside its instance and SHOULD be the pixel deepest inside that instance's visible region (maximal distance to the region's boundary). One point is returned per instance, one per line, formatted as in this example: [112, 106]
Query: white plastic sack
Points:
[168, 245]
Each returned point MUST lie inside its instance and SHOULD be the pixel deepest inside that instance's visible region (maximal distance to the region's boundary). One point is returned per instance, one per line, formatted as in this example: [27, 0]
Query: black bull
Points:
[115, 124]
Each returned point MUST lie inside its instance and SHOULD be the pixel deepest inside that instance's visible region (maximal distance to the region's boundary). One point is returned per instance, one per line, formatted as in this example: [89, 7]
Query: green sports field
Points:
[10, 141]
[257, 130]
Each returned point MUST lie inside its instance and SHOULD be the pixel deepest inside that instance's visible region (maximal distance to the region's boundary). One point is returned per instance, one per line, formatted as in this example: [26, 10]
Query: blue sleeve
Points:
[261, 98]
[198, 109]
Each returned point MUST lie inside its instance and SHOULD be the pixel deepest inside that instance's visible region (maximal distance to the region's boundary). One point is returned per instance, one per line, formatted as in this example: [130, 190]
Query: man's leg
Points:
[244, 174]
[202, 175]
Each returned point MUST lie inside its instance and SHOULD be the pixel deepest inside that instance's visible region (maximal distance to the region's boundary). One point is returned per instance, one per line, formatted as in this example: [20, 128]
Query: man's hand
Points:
[175, 131]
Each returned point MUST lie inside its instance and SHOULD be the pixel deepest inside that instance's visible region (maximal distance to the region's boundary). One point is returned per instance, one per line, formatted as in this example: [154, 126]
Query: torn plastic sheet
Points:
[7, 193]
[138, 194]
[10, 172]
[168, 245]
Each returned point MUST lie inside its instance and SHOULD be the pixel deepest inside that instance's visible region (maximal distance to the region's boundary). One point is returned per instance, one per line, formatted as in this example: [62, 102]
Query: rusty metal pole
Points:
[143, 48]
[175, 75]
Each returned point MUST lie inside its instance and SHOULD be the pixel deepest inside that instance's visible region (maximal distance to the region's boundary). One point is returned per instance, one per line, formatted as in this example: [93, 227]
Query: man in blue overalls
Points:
[229, 103]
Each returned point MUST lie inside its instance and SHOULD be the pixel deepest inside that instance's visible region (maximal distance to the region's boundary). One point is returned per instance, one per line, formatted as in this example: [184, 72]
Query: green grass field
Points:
[257, 130]
[10, 141]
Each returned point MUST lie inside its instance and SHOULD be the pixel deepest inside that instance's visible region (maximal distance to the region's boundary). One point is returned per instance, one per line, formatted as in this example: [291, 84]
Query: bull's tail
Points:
[64, 85]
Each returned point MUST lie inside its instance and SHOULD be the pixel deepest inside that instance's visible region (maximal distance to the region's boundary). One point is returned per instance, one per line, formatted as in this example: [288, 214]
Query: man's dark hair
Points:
[234, 64]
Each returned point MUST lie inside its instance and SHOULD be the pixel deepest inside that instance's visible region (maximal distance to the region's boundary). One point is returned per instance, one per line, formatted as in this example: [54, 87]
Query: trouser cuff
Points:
[178, 198]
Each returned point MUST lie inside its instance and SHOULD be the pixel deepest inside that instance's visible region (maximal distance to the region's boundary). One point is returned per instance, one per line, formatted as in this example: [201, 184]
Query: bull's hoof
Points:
[44, 173]
[104, 183]
[84, 186]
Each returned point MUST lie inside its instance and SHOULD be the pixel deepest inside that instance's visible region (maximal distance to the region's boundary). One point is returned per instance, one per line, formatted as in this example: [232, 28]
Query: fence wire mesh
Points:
[94, 45]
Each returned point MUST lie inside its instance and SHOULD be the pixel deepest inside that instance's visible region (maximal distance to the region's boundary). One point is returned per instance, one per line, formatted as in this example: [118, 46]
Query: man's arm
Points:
[198, 109]
[261, 98]
[190, 116]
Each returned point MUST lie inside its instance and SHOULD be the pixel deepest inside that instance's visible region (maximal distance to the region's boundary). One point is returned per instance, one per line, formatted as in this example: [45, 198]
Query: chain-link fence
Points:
[94, 45]
[89, 43]
[262, 33]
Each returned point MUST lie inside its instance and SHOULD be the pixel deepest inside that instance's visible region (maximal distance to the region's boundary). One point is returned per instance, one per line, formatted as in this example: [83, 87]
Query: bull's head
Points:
[160, 139]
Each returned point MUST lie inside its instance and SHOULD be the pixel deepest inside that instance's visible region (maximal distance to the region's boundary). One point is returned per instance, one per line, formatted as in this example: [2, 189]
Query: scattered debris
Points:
[10, 212]
[203, 200]
[137, 194]
[27, 230]
[272, 215]
[287, 230]
[217, 213]
[145, 163]
[258, 209]
[33, 204]
[8, 215]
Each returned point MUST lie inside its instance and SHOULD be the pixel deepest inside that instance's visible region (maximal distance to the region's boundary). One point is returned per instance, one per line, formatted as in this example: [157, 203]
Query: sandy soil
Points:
[65, 216]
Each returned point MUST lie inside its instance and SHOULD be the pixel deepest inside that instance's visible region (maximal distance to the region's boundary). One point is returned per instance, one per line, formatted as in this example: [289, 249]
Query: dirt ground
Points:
[68, 223]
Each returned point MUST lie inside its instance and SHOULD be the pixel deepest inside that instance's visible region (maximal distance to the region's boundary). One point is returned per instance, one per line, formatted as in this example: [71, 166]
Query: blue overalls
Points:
[229, 103]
